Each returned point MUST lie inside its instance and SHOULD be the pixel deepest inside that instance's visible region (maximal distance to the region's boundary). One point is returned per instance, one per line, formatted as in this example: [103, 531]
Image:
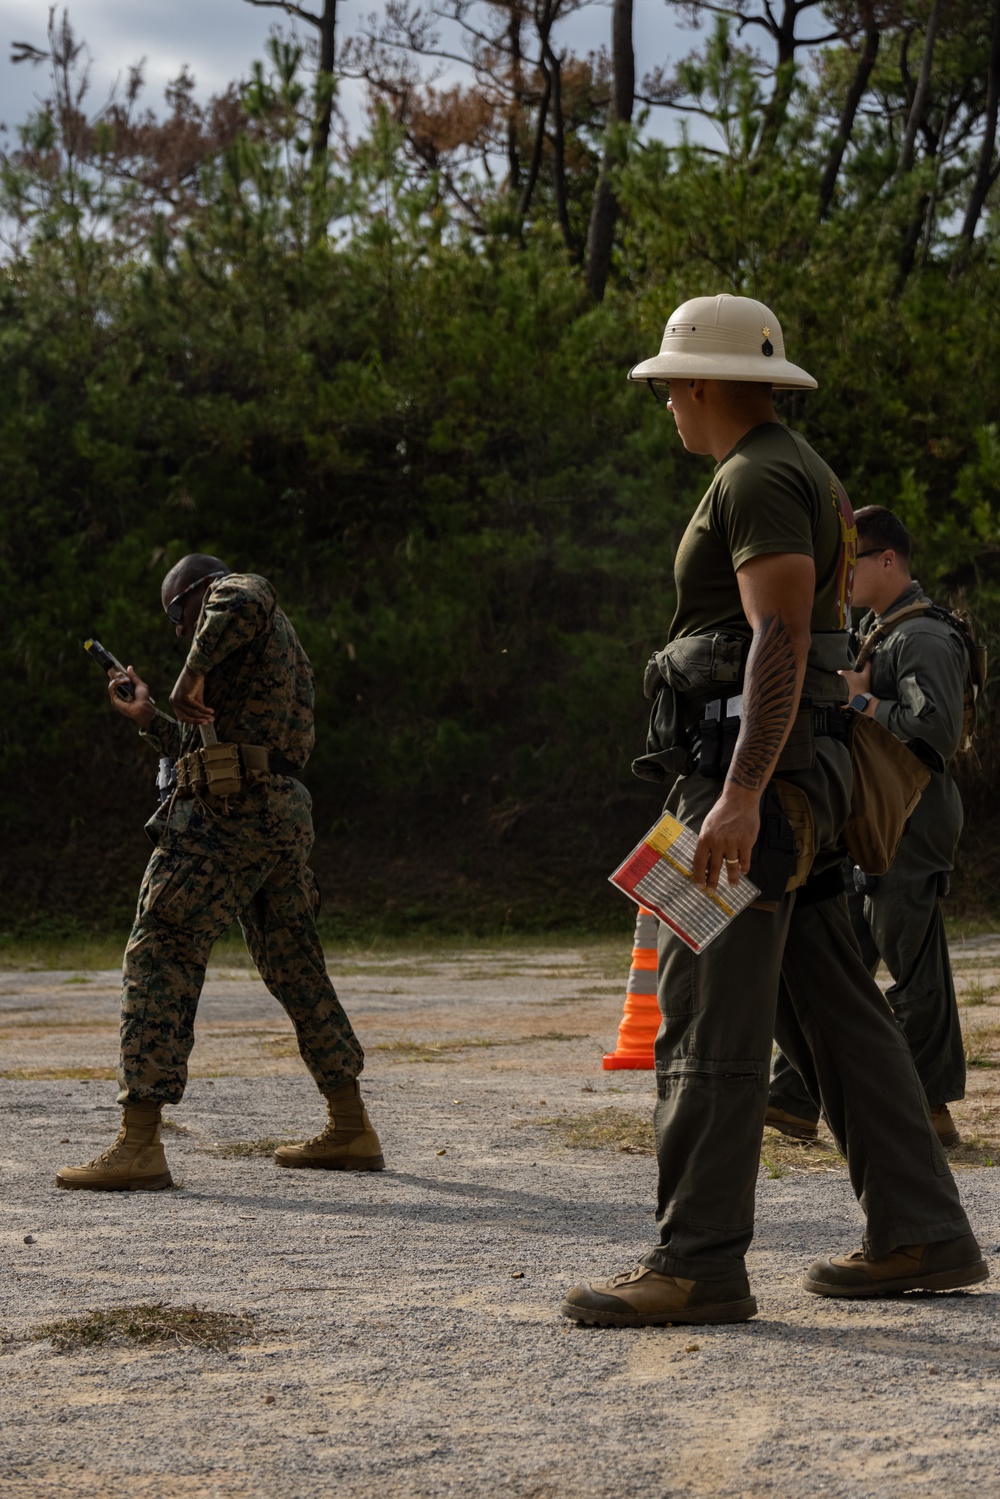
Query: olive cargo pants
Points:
[794, 973]
[209, 869]
[902, 923]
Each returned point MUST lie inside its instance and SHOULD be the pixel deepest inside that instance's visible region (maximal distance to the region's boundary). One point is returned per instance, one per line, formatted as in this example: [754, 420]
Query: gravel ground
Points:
[406, 1336]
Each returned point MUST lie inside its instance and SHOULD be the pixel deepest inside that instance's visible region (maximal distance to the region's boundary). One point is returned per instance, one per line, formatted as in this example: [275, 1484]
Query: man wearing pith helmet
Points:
[747, 733]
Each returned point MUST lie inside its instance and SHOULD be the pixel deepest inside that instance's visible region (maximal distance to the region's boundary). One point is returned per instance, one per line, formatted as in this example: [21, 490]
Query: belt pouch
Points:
[710, 752]
[774, 856]
[256, 763]
[221, 763]
[799, 750]
[190, 773]
[667, 754]
[718, 737]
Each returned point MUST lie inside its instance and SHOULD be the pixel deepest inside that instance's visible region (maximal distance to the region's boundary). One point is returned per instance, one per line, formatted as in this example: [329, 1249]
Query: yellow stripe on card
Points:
[666, 833]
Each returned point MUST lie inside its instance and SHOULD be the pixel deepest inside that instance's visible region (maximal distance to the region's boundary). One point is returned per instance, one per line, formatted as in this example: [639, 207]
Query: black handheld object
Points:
[107, 662]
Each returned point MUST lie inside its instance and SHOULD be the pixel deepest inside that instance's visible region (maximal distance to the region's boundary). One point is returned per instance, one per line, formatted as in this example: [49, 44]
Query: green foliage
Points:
[425, 437]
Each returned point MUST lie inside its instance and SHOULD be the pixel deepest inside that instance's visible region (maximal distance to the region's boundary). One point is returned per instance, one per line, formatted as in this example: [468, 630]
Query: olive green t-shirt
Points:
[771, 494]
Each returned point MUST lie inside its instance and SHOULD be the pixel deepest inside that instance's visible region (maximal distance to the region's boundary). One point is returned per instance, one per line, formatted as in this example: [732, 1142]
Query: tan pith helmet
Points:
[724, 338]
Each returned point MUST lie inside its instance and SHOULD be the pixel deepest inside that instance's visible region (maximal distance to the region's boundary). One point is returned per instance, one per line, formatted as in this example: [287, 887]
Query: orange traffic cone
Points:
[641, 1020]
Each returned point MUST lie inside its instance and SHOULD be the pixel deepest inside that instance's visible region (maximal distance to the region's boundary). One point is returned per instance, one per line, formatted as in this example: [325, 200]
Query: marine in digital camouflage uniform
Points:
[241, 856]
[915, 685]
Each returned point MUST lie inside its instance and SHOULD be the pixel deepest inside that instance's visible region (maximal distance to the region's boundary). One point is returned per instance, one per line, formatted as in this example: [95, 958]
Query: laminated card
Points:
[658, 874]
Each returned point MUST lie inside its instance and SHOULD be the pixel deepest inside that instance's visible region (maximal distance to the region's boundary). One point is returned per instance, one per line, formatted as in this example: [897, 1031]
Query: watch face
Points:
[859, 702]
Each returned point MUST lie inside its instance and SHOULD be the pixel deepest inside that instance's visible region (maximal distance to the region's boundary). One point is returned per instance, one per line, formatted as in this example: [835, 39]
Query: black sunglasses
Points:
[871, 552]
[661, 390]
[175, 609]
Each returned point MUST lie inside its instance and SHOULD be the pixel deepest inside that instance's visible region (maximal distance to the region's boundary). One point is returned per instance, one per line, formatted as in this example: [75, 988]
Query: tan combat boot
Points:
[134, 1163]
[792, 1125]
[645, 1298]
[347, 1144]
[947, 1265]
[944, 1126]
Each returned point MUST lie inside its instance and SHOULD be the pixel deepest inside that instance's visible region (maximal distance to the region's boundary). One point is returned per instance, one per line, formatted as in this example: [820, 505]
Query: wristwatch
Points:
[859, 702]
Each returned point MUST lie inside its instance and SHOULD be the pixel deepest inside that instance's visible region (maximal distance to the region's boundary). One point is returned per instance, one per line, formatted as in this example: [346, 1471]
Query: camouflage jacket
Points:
[257, 676]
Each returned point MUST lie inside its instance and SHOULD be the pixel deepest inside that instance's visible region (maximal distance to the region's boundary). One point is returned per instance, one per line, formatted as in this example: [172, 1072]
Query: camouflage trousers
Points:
[209, 868]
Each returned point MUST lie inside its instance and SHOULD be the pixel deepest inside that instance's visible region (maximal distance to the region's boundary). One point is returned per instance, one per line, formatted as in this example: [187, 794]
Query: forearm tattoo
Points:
[768, 703]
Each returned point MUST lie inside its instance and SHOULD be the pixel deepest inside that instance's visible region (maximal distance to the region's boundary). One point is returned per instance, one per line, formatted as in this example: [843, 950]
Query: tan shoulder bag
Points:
[888, 780]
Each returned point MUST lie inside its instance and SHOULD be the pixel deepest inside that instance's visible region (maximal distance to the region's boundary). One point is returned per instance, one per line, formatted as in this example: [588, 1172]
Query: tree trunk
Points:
[536, 153]
[986, 173]
[776, 108]
[327, 23]
[855, 94]
[517, 87]
[559, 150]
[908, 148]
[604, 211]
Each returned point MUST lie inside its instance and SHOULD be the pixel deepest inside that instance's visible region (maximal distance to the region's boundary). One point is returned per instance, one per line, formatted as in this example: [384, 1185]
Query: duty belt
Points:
[827, 720]
[720, 720]
[227, 769]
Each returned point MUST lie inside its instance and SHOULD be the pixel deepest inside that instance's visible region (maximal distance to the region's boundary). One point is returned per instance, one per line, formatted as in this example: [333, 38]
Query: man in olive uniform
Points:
[914, 681]
[767, 559]
[232, 842]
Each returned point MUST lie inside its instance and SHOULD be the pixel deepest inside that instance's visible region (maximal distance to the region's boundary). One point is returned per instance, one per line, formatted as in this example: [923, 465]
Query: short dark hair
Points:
[878, 527]
[191, 569]
[742, 392]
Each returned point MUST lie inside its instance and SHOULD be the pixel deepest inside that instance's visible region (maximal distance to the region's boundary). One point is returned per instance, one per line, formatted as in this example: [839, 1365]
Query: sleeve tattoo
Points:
[768, 703]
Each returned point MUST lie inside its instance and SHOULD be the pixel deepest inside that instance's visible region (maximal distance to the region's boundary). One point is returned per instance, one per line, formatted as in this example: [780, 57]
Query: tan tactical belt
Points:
[227, 769]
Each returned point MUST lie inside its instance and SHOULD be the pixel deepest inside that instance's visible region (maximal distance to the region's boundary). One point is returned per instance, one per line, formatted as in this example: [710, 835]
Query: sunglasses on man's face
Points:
[661, 390]
[175, 609]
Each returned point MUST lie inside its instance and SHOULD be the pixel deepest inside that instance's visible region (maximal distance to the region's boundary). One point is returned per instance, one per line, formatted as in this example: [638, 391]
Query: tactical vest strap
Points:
[961, 622]
[870, 643]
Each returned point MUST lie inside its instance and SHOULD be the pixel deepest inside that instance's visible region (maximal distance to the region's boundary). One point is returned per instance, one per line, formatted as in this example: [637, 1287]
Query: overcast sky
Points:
[219, 39]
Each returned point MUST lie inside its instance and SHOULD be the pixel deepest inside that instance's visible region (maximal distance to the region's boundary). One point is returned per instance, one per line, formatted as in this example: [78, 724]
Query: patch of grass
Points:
[604, 1129]
[243, 1150]
[632, 1134]
[974, 1151]
[41, 946]
[60, 1023]
[981, 1047]
[78, 978]
[958, 928]
[173, 1128]
[440, 1051]
[780, 1155]
[553, 1036]
[58, 1074]
[977, 992]
[185, 1326]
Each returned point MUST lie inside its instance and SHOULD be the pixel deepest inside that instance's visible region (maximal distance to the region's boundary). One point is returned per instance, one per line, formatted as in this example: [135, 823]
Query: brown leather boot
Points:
[645, 1298]
[792, 1125]
[945, 1266]
[347, 1144]
[134, 1163]
[944, 1126]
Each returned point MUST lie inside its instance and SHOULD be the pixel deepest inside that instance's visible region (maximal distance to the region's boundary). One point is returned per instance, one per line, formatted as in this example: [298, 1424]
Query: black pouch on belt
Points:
[718, 731]
[774, 856]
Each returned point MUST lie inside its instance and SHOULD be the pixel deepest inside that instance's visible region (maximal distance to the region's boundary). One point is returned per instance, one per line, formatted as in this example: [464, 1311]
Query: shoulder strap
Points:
[869, 643]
